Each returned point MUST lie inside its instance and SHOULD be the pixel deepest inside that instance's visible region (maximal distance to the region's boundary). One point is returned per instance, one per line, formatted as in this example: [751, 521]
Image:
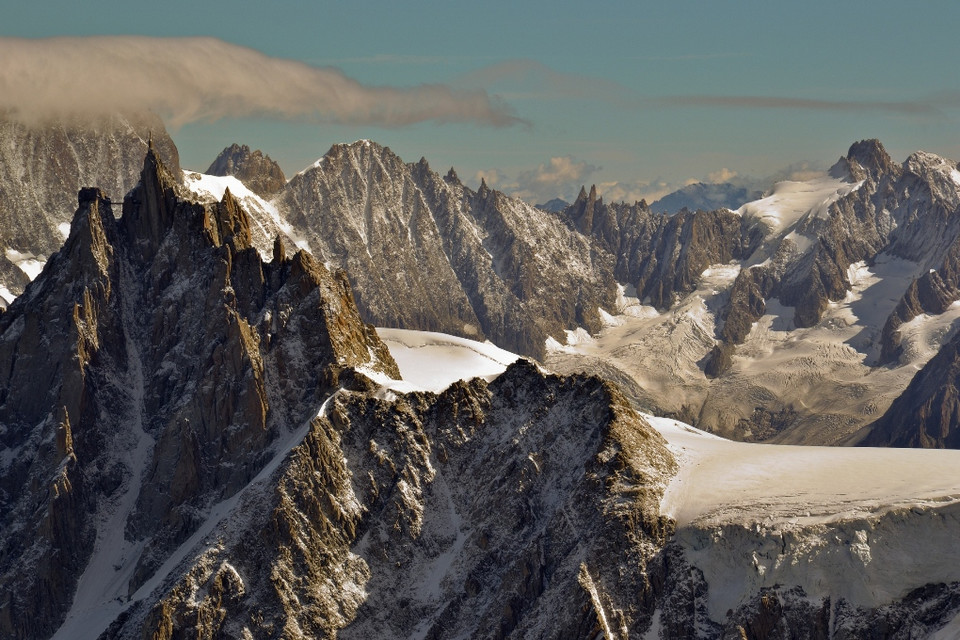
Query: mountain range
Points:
[204, 436]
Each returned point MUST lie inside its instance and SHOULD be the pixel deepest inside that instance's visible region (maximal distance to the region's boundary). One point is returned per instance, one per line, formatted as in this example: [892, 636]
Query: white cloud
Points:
[722, 175]
[491, 176]
[561, 177]
[204, 79]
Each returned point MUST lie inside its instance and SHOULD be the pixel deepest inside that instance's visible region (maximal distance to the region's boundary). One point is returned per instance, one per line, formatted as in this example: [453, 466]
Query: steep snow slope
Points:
[791, 200]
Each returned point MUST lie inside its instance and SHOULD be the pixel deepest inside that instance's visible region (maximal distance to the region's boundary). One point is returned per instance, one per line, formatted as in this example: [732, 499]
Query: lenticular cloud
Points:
[191, 79]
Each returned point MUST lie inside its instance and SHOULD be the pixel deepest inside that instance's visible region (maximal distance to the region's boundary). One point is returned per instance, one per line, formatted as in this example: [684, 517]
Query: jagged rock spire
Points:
[870, 155]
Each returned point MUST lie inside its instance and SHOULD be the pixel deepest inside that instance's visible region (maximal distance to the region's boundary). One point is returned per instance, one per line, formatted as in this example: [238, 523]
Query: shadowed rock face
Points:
[927, 414]
[43, 165]
[490, 510]
[147, 373]
[256, 170]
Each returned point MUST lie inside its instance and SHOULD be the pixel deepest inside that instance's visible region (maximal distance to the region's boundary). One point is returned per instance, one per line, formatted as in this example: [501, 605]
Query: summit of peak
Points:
[870, 155]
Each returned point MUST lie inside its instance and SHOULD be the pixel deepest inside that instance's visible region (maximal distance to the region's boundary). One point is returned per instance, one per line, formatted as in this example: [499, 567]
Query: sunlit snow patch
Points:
[790, 201]
[431, 361]
[27, 262]
[867, 525]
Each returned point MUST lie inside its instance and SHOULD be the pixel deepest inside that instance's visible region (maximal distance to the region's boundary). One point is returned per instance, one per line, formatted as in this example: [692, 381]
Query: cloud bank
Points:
[560, 177]
[204, 79]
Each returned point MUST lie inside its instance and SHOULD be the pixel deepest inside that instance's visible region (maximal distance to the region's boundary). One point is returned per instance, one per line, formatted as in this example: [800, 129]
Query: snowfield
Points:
[790, 201]
[866, 525]
[797, 486]
[433, 361]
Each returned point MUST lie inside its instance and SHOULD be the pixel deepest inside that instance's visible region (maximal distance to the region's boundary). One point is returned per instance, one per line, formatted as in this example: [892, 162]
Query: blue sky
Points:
[636, 97]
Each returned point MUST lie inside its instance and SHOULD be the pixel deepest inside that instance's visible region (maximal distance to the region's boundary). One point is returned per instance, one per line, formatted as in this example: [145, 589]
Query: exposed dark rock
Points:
[927, 413]
[156, 357]
[718, 360]
[44, 164]
[254, 169]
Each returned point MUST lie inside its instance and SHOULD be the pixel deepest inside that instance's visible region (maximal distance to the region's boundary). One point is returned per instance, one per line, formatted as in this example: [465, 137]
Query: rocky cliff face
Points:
[43, 165]
[426, 252]
[258, 171]
[662, 257]
[908, 212]
[488, 510]
[927, 414]
[148, 373]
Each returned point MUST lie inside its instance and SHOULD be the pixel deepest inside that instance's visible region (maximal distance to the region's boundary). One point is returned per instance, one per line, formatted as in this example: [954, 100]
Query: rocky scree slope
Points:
[43, 165]
[148, 373]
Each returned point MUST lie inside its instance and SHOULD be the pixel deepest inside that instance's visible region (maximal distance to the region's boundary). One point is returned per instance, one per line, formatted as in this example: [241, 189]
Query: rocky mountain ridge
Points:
[426, 252]
[43, 165]
[178, 359]
[202, 398]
